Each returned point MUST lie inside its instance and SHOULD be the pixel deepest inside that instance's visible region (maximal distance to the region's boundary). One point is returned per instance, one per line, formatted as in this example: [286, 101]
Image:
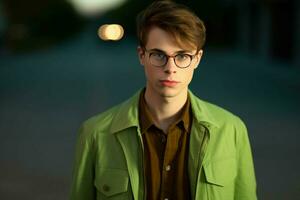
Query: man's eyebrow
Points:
[177, 52]
[183, 51]
[158, 50]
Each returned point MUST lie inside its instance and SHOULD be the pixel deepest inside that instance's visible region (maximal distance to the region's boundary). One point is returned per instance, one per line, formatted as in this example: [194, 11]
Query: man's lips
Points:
[169, 83]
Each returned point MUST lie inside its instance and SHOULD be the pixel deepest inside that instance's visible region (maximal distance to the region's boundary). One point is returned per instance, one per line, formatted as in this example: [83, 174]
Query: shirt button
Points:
[168, 167]
[105, 188]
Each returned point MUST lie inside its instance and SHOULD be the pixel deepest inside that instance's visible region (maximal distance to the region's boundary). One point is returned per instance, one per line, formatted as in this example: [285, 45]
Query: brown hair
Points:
[176, 19]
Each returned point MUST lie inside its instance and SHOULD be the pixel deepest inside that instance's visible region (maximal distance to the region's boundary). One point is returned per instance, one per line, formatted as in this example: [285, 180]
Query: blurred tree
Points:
[35, 24]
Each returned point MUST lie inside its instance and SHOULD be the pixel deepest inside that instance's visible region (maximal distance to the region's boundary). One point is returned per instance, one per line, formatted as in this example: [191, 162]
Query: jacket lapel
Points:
[203, 126]
[133, 153]
[195, 155]
[125, 126]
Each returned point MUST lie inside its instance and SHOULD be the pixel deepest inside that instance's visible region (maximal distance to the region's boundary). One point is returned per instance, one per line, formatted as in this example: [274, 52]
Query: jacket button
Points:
[105, 188]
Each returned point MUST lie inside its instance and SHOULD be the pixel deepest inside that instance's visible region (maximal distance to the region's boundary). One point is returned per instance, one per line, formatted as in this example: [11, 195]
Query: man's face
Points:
[169, 80]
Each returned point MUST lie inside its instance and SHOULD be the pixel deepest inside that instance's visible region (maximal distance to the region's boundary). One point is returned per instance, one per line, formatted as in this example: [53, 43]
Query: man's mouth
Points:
[169, 83]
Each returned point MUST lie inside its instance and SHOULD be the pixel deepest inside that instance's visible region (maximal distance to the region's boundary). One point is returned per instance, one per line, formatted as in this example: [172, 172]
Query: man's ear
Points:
[141, 54]
[198, 58]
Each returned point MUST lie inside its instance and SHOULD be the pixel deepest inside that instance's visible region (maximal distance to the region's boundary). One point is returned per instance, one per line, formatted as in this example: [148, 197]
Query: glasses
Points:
[160, 59]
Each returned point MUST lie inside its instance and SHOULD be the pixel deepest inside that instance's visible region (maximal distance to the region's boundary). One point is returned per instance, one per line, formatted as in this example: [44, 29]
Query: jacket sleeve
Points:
[82, 187]
[245, 187]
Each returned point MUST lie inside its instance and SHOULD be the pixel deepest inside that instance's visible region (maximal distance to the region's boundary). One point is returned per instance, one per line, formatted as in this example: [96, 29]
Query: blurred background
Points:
[55, 72]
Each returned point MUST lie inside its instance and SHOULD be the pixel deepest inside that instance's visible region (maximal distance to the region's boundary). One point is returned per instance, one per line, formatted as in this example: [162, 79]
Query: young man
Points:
[164, 142]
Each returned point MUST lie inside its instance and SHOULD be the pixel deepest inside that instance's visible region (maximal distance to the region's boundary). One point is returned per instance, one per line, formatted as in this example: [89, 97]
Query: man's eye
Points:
[182, 57]
[159, 56]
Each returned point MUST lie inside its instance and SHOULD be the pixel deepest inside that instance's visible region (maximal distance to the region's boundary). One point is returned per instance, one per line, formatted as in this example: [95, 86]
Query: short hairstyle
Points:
[176, 19]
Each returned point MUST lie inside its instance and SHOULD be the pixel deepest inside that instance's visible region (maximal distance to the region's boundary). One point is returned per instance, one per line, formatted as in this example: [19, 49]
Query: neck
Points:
[165, 110]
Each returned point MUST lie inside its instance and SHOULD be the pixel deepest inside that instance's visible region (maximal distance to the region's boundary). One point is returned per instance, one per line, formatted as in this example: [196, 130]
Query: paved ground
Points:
[44, 96]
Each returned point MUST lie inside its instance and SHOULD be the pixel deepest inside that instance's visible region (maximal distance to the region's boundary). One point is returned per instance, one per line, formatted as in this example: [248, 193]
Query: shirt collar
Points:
[127, 114]
[146, 120]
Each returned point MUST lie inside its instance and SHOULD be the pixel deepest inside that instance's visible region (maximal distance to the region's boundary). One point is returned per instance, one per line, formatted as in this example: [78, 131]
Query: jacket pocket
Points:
[220, 179]
[220, 172]
[111, 184]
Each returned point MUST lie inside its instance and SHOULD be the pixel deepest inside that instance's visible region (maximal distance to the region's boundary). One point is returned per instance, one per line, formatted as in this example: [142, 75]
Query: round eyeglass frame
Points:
[168, 57]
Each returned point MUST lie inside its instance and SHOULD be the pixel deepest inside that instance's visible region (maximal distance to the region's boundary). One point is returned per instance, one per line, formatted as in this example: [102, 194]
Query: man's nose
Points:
[170, 67]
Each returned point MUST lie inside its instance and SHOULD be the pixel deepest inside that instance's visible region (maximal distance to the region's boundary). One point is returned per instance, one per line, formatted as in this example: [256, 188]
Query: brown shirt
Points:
[166, 155]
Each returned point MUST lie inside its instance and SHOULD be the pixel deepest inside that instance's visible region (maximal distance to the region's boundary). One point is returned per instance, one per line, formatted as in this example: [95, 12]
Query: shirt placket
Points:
[168, 167]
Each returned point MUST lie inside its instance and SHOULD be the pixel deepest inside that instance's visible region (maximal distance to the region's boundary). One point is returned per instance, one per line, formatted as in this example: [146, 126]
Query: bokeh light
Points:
[95, 7]
[111, 32]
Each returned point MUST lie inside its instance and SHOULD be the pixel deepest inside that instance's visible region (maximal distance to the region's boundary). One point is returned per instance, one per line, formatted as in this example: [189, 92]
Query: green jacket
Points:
[109, 155]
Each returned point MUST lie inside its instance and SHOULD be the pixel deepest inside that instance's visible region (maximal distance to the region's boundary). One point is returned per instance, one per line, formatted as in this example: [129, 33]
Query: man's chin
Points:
[169, 94]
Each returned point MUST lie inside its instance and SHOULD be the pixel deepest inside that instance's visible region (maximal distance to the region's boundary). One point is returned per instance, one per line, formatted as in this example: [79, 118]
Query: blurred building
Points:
[270, 28]
[266, 28]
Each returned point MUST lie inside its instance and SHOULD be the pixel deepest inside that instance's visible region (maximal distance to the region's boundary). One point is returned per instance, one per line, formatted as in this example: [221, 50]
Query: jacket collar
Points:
[127, 114]
[202, 113]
